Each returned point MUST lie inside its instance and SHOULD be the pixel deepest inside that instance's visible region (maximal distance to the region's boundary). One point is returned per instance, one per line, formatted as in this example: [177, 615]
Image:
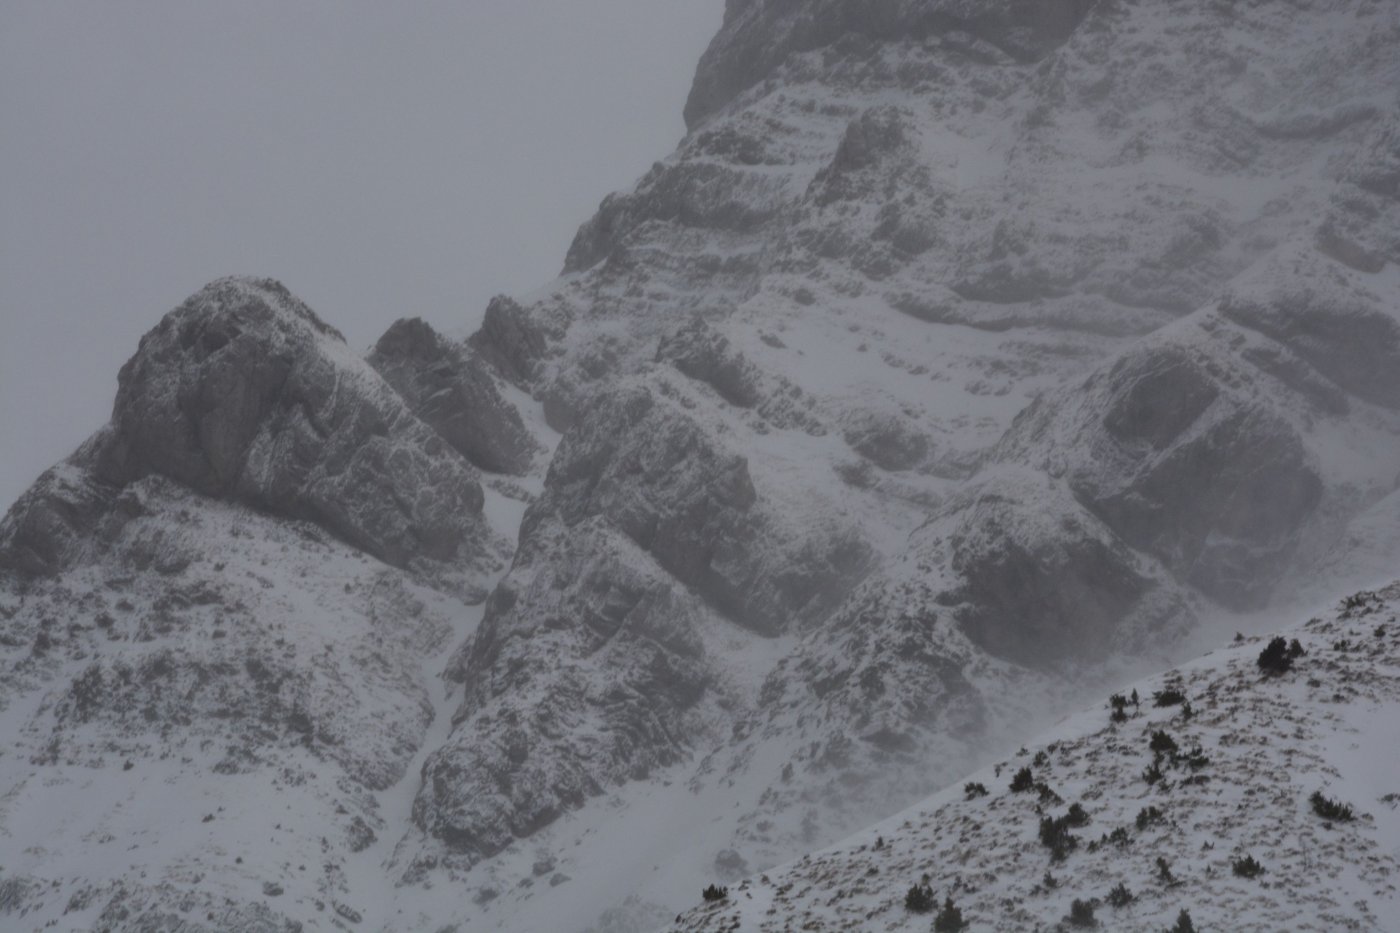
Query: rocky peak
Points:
[450, 388]
[242, 393]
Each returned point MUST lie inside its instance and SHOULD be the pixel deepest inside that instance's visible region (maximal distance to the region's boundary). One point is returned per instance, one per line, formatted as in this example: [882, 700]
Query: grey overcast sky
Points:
[382, 159]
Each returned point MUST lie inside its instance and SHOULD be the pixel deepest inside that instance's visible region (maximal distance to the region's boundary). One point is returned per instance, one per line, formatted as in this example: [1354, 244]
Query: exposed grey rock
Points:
[1348, 339]
[50, 526]
[694, 194]
[706, 355]
[701, 353]
[882, 137]
[642, 513]
[757, 37]
[1043, 581]
[1211, 481]
[690, 503]
[613, 639]
[243, 393]
[448, 389]
[510, 340]
[887, 440]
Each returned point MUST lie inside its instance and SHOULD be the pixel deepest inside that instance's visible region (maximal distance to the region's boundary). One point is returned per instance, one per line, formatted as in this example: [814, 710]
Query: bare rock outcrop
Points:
[243, 393]
[759, 35]
[450, 390]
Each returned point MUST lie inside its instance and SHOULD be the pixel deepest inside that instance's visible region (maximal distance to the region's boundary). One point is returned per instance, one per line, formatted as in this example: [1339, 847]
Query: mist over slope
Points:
[964, 358]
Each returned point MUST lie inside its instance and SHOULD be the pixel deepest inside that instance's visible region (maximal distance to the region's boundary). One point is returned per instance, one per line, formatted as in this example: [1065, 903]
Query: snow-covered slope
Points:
[1240, 754]
[966, 358]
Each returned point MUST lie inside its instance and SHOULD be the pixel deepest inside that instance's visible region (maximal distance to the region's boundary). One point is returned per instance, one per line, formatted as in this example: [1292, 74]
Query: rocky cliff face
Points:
[448, 389]
[964, 355]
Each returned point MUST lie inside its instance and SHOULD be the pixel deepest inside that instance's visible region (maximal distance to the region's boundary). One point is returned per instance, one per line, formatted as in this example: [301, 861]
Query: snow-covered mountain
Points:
[967, 358]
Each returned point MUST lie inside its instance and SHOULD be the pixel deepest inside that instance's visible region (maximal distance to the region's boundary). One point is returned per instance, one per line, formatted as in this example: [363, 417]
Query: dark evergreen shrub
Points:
[1081, 913]
[919, 900]
[1331, 810]
[1162, 742]
[1183, 923]
[1119, 837]
[1275, 659]
[974, 789]
[1195, 759]
[1164, 870]
[1246, 867]
[1023, 781]
[1168, 697]
[1055, 836]
[714, 893]
[1149, 816]
[950, 918]
[1120, 896]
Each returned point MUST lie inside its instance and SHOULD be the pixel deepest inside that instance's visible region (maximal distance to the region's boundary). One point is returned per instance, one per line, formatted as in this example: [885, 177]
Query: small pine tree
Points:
[1120, 896]
[1119, 837]
[1247, 867]
[1081, 913]
[1149, 816]
[1275, 659]
[950, 918]
[1162, 742]
[1023, 781]
[1049, 881]
[1196, 759]
[1168, 697]
[1055, 836]
[1164, 871]
[974, 789]
[714, 893]
[1152, 773]
[1183, 923]
[919, 900]
[1331, 810]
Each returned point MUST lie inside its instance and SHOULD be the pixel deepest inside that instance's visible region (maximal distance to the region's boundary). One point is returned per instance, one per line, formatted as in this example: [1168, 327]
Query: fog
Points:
[382, 160]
